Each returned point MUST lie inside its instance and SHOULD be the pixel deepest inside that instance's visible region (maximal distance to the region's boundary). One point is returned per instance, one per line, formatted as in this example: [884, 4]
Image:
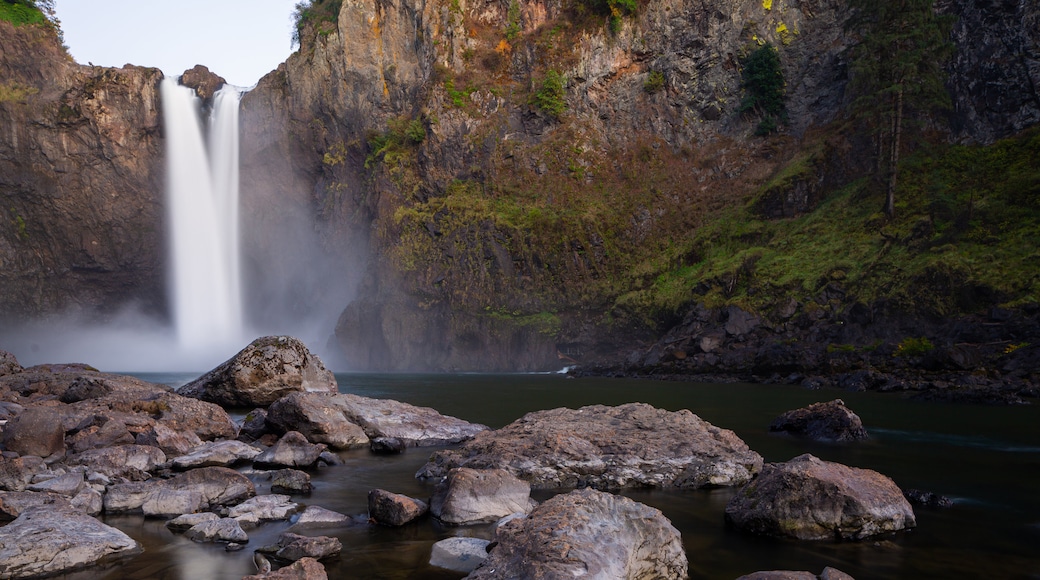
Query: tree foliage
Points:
[20, 12]
[550, 97]
[763, 82]
[897, 75]
[615, 10]
[315, 13]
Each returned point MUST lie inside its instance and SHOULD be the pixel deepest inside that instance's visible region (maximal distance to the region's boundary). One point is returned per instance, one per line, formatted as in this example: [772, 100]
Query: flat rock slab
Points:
[215, 486]
[121, 460]
[830, 421]
[292, 547]
[220, 530]
[264, 508]
[459, 554]
[216, 453]
[318, 516]
[261, 373]
[633, 445]
[587, 534]
[810, 499]
[414, 426]
[14, 503]
[50, 541]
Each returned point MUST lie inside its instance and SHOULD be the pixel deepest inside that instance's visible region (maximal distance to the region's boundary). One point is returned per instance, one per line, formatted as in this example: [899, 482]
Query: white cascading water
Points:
[202, 210]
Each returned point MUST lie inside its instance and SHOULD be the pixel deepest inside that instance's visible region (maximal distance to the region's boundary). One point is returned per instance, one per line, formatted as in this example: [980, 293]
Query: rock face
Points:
[831, 421]
[810, 499]
[472, 496]
[633, 445]
[263, 372]
[55, 540]
[590, 534]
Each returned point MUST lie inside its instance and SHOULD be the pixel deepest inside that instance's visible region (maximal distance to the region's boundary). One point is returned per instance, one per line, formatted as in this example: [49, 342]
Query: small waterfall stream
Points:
[202, 217]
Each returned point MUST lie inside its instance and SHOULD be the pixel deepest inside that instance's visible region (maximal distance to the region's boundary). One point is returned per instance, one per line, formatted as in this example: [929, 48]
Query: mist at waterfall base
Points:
[294, 289]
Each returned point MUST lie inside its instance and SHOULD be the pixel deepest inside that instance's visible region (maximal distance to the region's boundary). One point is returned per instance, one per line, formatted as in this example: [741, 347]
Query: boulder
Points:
[68, 485]
[217, 486]
[472, 496]
[459, 554]
[386, 446]
[394, 509]
[318, 418]
[263, 508]
[17, 473]
[219, 530]
[254, 426]
[35, 431]
[54, 540]
[187, 521]
[89, 501]
[173, 442]
[831, 421]
[810, 499]
[167, 502]
[586, 533]
[827, 574]
[202, 81]
[414, 426]
[14, 503]
[302, 569]
[318, 516]
[928, 499]
[292, 450]
[216, 453]
[8, 364]
[130, 461]
[108, 434]
[263, 372]
[292, 547]
[290, 481]
[632, 445]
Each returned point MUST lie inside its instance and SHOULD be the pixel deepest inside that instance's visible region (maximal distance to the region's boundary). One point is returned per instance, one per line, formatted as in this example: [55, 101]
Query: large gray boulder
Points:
[476, 496]
[43, 542]
[810, 499]
[588, 534]
[318, 417]
[459, 554]
[633, 445]
[35, 431]
[830, 421]
[131, 461]
[263, 372]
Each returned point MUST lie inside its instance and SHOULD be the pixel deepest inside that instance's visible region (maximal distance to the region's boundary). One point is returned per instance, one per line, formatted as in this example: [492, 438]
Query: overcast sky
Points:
[240, 40]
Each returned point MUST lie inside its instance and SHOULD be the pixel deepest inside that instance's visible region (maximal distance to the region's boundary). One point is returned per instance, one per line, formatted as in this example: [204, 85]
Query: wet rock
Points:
[459, 554]
[394, 509]
[263, 372]
[827, 574]
[67, 485]
[35, 431]
[264, 508]
[292, 547]
[633, 445]
[927, 498]
[202, 81]
[218, 486]
[472, 496]
[8, 364]
[166, 502]
[290, 481]
[219, 530]
[50, 541]
[121, 461]
[187, 521]
[292, 450]
[318, 417]
[16, 473]
[810, 499]
[415, 426]
[216, 453]
[831, 421]
[387, 445]
[319, 516]
[302, 569]
[586, 533]
[254, 426]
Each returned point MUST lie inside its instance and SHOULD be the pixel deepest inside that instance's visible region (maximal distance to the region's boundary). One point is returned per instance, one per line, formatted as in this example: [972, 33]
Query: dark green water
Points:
[986, 458]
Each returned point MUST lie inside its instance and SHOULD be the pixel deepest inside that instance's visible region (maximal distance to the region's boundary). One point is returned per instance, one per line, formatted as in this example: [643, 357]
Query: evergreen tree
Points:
[897, 74]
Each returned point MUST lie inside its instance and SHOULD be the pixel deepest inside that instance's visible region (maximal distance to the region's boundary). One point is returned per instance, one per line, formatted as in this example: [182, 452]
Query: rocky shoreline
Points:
[78, 443]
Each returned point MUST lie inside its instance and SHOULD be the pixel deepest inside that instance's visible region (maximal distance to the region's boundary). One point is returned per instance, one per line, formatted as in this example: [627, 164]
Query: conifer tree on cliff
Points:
[897, 75]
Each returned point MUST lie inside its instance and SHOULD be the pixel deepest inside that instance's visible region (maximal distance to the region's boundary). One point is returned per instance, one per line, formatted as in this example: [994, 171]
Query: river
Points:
[987, 459]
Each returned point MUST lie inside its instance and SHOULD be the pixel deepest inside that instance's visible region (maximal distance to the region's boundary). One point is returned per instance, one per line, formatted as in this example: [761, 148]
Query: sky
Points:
[240, 40]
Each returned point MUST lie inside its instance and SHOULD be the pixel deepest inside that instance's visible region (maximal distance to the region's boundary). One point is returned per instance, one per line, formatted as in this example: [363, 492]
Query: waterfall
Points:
[202, 218]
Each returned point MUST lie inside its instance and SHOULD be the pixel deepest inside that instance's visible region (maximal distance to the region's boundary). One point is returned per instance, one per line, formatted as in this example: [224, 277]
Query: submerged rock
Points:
[263, 372]
[459, 554]
[589, 534]
[292, 547]
[476, 496]
[52, 540]
[810, 499]
[633, 445]
[831, 421]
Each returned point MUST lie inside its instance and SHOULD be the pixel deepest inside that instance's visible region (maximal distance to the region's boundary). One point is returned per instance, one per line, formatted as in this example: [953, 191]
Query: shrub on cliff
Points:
[320, 14]
[764, 89]
[549, 98]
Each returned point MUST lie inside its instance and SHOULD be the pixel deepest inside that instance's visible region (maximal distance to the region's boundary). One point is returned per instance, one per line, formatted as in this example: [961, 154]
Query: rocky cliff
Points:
[80, 181]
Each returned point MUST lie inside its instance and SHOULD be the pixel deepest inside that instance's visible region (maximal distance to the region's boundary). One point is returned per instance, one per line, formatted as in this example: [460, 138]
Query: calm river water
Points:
[986, 458]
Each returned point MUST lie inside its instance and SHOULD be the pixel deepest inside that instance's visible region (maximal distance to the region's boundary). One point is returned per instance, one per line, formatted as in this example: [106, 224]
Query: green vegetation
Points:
[322, 15]
[396, 146]
[911, 347]
[897, 75]
[513, 21]
[615, 10]
[12, 92]
[550, 97]
[654, 82]
[21, 12]
[764, 89]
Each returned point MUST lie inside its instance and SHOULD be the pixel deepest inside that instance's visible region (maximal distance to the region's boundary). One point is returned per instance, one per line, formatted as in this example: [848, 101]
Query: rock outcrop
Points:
[590, 534]
[261, 373]
[810, 499]
[633, 445]
[831, 421]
